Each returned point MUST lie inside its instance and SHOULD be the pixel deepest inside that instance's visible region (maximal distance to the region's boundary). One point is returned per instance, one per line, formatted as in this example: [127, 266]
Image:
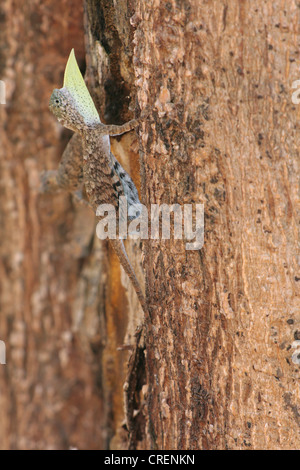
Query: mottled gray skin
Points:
[108, 174]
[104, 178]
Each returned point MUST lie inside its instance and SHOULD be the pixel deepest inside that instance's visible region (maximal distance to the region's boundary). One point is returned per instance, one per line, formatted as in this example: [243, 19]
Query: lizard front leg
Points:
[111, 129]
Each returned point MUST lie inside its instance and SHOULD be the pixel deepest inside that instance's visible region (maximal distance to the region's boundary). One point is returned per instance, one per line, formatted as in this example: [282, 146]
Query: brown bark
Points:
[49, 397]
[63, 304]
[223, 131]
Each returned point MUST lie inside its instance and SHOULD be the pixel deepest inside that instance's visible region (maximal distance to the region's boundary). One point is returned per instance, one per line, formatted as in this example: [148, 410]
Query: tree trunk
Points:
[64, 309]
[214, 366]
[49, 397]
[223, 131]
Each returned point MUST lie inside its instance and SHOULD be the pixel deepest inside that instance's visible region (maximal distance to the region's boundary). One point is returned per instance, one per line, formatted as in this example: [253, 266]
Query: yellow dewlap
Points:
[75, 84]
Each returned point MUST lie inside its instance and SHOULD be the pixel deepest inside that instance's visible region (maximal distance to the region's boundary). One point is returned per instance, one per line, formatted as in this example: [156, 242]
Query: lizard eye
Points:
[56, 100]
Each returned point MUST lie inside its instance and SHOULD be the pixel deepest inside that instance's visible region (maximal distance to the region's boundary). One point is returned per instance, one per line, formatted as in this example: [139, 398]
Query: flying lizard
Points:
[104, 179]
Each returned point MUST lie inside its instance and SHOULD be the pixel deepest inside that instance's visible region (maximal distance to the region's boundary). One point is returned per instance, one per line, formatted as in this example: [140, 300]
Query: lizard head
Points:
[64, 108]
[72, 104]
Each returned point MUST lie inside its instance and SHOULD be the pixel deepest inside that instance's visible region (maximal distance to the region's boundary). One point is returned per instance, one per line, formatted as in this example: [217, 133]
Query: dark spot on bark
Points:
[214, 179]
[2, 16]
[297, 335]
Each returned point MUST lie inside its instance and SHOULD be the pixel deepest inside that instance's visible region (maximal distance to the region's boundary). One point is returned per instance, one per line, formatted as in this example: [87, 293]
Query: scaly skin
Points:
[104, 178]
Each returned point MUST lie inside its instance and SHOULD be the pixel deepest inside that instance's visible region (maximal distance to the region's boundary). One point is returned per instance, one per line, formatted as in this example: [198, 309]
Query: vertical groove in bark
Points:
[222, 131]
[110, 77]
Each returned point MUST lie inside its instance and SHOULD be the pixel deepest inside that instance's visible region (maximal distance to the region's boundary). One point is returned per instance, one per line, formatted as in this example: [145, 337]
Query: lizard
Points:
[103, 177]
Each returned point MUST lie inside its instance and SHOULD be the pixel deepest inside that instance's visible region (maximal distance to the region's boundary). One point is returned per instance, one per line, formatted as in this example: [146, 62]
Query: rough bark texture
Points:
[49, 397]
[63, 304]
[110, 77]
[222, 130]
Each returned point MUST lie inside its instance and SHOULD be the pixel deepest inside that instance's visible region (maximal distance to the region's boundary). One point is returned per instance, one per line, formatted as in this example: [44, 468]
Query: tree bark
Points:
[214, 366]
[49, 398]
[222, 131]
[64, 308]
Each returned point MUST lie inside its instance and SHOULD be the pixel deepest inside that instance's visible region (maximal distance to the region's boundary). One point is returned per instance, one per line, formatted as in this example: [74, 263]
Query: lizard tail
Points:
[119, 248]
